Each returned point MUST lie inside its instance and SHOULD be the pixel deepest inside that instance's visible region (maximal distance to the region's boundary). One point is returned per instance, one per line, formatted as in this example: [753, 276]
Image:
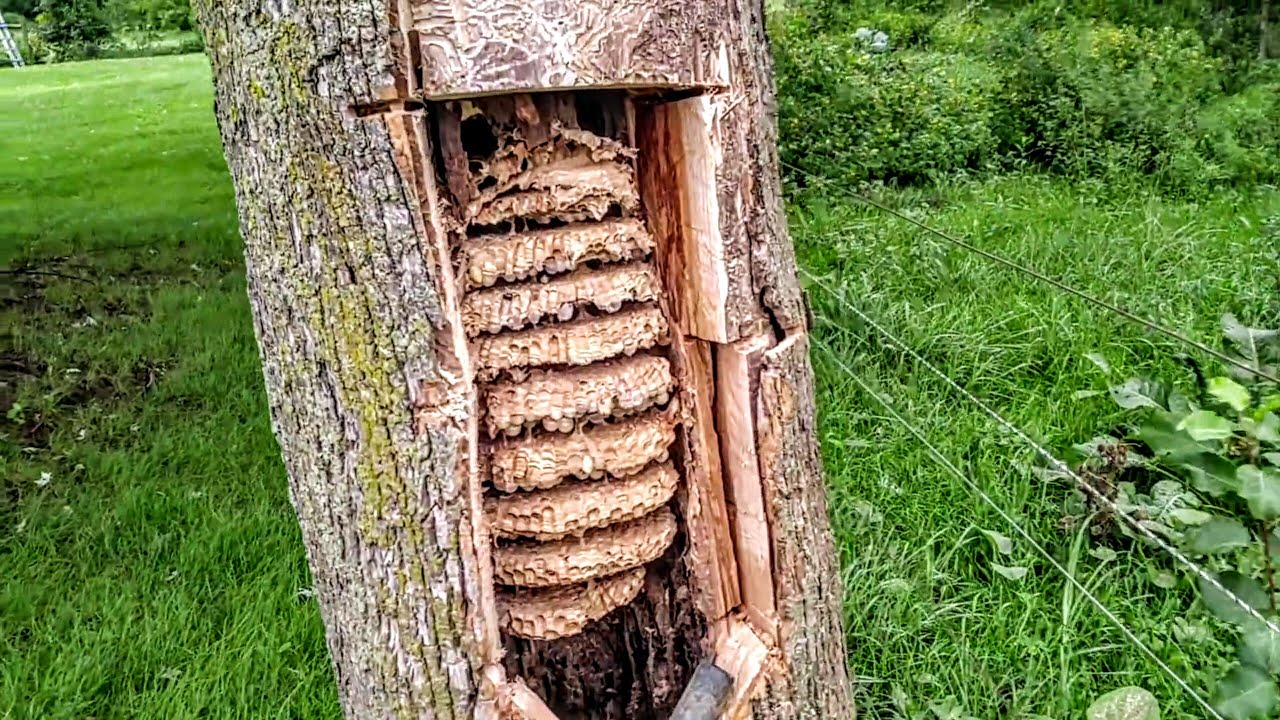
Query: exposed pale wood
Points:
[566, 611]
[618, 449]
[598, 553]
[681, 198]
[737, 371]
[578, 342]
[494, 46]
[811, 639]
[518, 702]
[710, 551]
[513, 307]
[742, 653]
[610, 389]
[456, 402]
[576, 506]
[519, 256]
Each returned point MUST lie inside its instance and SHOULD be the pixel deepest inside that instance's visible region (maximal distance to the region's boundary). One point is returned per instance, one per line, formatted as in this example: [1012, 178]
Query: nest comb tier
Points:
[587, 427]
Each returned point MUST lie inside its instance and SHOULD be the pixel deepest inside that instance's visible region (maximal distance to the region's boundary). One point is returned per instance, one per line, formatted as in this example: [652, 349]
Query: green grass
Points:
[928, 617]
[157, 574]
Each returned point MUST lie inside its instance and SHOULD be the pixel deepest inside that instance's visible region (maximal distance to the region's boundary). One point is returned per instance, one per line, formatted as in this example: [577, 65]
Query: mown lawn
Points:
[150, 566]
[156, 571]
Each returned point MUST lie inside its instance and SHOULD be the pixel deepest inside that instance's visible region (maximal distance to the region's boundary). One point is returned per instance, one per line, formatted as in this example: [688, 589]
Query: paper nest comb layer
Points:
[563, 314]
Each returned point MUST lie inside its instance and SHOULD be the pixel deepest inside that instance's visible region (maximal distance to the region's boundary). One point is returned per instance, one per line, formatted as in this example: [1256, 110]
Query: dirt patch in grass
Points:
[15, 367]
[22, 292]
[40, 296]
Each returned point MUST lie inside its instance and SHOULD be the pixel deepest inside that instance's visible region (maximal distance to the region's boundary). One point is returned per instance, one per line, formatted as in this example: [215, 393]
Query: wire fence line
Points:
[1048, 456]
[1037, 275]
[1017, 527]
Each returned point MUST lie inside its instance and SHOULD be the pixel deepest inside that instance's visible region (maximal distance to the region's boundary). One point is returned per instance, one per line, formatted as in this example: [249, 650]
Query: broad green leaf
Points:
[1127, 703]
[1191, 632]
[1260, 487]
[1268, 430]
[1138, 393]
[1163, 579]
[1260, 648]
[1100, 361]
[1010, 573]
[1204, 425]
[1224, 606]
[1160, 432]
[1244, 336]
[1211, 473]
[1273, 458]
[1168, 495]
[1248, 342]
[1179, 404]
[1218, 535]
[1229, 392]
[1105, 554]
[1095, 447]
[1001, 542]
[1190, 516]
[1246, 693]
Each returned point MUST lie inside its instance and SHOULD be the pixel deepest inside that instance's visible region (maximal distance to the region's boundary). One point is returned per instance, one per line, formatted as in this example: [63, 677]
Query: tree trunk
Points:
[535, 351]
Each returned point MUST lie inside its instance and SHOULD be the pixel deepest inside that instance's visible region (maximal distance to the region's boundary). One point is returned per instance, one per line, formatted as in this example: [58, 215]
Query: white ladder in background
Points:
[10, 47]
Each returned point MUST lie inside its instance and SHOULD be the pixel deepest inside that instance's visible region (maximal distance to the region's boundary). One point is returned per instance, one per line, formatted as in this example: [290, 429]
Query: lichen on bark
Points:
[347, 311]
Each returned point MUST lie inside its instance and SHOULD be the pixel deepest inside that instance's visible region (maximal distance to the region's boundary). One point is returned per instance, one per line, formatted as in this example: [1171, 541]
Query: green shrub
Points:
[961, 34]
[1088, 100]
[72, 29]
[905, 29]
[154, 15]
[910, 17]
[849, 113]
[24, 8]
[1241, 135]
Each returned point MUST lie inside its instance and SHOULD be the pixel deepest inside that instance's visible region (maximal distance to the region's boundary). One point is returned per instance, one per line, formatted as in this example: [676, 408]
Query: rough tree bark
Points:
[348, 146]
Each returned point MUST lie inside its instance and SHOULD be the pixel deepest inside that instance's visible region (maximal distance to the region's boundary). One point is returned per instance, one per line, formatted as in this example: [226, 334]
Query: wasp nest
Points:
[563, 311]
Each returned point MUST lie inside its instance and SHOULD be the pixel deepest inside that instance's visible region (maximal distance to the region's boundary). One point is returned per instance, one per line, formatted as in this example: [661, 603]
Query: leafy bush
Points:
[154, 15]
[1224, 444]
[853, 114]
[1241, 135]
[1090, 100]
[905, 29]
[25, 8]
[72, 29]
[1176, 94]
